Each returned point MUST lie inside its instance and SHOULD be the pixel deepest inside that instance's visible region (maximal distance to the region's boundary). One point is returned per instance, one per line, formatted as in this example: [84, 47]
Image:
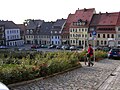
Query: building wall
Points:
[13, 37]
[102, 39]
[78, 36]
[117, 36]
[11, 34]
[56, 40]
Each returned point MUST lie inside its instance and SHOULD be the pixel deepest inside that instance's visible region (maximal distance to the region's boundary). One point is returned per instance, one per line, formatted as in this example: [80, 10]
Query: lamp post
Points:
[76, 38]
[94, 33]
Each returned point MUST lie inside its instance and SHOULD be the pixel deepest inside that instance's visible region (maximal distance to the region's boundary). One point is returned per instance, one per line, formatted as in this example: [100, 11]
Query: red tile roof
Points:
[68, 22]
[83, 14]
[108, 18]
[118, 22]
[105, 19]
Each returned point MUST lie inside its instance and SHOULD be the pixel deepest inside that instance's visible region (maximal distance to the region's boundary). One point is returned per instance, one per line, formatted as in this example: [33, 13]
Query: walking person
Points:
[90, 55]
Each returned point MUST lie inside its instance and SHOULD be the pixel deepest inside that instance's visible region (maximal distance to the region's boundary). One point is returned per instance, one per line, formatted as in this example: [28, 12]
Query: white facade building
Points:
[12, 34]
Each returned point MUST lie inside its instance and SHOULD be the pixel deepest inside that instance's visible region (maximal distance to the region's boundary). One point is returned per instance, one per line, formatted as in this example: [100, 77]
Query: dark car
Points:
[114, 53]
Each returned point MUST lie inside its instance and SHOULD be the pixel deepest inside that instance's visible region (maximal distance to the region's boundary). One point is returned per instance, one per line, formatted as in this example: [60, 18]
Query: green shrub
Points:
[42, 64]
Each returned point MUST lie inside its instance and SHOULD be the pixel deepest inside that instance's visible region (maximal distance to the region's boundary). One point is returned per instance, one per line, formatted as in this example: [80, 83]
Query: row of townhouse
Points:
[41, 32]
[81, 25]
[75, 30]
[10, 34]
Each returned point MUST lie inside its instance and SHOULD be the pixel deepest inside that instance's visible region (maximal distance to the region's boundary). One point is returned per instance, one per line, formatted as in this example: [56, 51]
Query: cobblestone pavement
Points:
[85, 78]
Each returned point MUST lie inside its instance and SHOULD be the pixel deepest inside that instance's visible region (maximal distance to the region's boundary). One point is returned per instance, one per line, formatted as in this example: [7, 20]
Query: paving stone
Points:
[85, 78]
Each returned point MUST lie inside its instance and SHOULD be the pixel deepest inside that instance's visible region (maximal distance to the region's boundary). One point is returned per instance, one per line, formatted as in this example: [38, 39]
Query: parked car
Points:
[114, 53]
[65, 47]
[3, 47]
[73, 48]
[58, 47]
[52, 46]
[106, 49]
[34, 46]
[44, 46]
[3, 86]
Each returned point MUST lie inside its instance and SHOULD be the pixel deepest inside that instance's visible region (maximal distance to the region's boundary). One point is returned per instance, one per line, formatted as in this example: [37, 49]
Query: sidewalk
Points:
[112, 82]
[85, 78]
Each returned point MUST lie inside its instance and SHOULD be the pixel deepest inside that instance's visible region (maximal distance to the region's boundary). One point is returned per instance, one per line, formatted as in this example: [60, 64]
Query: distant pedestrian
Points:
[90, 55]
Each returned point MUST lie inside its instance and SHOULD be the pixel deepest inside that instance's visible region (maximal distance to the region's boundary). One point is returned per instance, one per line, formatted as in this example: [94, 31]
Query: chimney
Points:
[106, 13]
[78, 8]
[85, 9]
[100, 13]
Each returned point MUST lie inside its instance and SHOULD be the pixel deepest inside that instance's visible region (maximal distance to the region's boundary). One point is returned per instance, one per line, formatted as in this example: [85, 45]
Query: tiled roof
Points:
[105, 19]
[108, 19]
[22, 28]
[59, 22]
[84, 14]
[118, 22]
[45, 28]
[9, 24]
[95, 20]
[33, 24]
[68, 22]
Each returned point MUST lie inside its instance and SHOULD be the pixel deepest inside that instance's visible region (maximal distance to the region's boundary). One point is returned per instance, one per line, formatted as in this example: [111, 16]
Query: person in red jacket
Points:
[90, 55]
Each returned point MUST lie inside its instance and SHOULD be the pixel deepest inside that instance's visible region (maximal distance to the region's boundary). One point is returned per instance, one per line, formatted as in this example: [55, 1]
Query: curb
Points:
[41, 78]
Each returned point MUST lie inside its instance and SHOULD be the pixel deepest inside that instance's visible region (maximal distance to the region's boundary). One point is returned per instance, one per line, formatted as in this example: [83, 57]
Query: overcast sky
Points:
[50, 10]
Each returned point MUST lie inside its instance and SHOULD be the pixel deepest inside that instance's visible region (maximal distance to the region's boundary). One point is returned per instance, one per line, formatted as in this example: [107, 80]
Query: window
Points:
[73, 29]
[82, 35]
[118, 35]
[90, 35]
[7, 32]
[82, 30]
[76, 29]
[98, 35]
[112, 36]
[119, 29]
[55, 42]
[55, 31]
[31, 31]
[103, 35]
[105, 42]
[8, 37]
[108, 36]
[82, 42]
[118, 42]
[101, 42]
